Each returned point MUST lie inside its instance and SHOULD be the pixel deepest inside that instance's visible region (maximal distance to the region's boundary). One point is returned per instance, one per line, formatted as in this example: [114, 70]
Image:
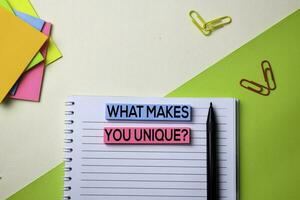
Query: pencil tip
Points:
[210, 104]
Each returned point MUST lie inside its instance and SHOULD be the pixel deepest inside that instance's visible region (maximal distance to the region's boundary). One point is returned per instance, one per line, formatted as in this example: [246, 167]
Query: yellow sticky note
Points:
[38, 57]
[25, 6]
[19, 44]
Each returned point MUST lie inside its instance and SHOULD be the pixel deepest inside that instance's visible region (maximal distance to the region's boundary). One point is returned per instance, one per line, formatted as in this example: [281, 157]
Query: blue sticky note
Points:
[13, 90]
[148, 112]
[33, 21]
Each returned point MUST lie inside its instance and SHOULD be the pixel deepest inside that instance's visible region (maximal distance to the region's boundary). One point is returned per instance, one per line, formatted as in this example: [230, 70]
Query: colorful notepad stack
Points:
[26, 49]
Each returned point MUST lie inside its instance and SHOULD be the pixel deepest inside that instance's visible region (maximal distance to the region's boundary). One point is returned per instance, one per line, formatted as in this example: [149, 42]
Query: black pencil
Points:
[211, 148]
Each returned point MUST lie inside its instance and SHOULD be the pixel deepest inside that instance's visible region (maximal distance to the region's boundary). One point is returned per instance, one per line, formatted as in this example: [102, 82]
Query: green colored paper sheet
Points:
[47, 187]
[269, 132]
[4, 4]
[25, 6]
[38, 57]
[269, 125]
[36, 60]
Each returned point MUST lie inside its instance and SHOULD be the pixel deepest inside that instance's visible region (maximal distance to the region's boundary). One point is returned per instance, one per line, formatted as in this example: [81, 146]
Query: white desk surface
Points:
[118, 47]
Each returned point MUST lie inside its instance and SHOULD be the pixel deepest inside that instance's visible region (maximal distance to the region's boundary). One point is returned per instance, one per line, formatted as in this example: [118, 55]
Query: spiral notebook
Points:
[95, 170]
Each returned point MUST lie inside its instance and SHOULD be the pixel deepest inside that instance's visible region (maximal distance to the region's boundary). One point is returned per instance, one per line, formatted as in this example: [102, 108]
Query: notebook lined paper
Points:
[121, 172]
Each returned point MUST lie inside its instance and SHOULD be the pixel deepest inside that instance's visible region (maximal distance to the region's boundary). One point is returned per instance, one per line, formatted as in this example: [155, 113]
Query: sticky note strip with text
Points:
[146, 135]
[151, 112]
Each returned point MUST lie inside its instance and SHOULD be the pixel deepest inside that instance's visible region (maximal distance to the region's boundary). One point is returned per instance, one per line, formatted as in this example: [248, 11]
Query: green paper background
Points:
[4, 4]
[269, 133]
[269, 129]
[47, 187]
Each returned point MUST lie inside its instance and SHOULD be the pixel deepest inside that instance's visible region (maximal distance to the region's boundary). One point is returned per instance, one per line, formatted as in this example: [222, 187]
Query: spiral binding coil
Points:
[68, 140]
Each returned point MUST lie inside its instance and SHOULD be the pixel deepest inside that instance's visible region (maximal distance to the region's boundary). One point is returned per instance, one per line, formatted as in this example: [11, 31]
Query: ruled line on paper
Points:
[138, 151]
[147, 166]
[194, 130]
[122, 158]
[144, 181]
[97, 150]
[144, 188]
[171, 166]
[148, 195]
[96, 143]
[131, 180]
[142, 195]
[143, 173]
[145, 122]
[103, 144]
[151, 173]
[202, 166]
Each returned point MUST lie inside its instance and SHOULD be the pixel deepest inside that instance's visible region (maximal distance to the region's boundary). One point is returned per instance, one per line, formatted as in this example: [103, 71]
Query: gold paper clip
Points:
[199, 22]
[268, 74]
[255, 87]
[217, 23]
[207, 27]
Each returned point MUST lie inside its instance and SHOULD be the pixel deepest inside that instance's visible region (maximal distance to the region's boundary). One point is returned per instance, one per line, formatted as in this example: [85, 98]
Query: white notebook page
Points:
[154, 172]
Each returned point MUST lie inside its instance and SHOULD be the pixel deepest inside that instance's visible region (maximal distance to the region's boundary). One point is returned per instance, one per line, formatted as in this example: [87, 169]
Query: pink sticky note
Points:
[31, 82]
[146, 135]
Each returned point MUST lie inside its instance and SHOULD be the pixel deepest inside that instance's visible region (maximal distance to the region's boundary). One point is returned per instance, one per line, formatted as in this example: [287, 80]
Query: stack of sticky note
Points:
[25, 50]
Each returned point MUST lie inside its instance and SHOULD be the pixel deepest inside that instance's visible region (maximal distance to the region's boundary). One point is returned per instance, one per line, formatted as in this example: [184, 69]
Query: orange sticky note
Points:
[19, 43]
